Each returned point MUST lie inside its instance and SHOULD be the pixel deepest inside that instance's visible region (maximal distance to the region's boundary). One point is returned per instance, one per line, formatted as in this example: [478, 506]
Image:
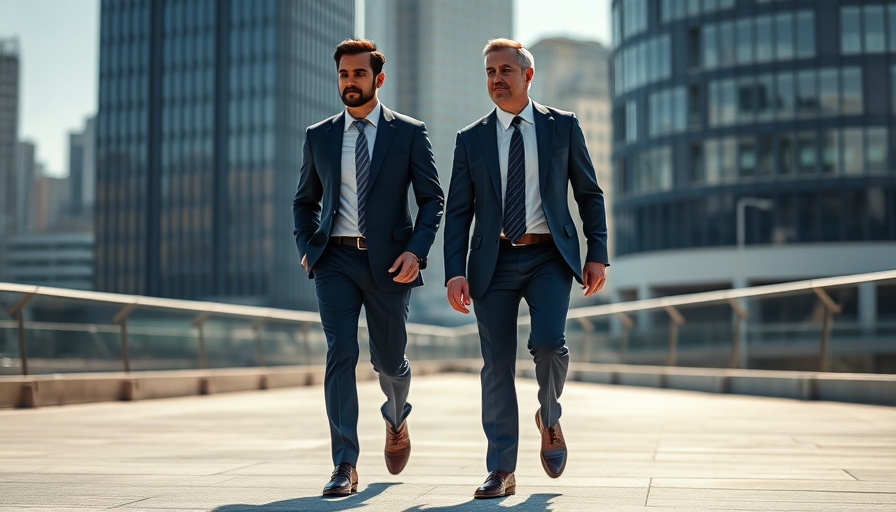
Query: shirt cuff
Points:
[455, 278]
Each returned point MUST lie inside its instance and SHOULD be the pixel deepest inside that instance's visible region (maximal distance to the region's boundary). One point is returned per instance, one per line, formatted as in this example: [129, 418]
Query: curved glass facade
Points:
[787, 100]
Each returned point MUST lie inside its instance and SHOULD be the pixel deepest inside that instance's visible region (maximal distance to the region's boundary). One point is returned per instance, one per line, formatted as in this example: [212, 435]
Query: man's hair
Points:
[356, 46]
[523, 56]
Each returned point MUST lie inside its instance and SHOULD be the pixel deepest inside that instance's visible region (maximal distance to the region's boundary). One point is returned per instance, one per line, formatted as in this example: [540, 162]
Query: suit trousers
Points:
[344, 283]
[539, 275]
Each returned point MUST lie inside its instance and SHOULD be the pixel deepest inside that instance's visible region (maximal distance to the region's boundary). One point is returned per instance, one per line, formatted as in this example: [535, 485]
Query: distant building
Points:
[49, 200]
[435, 72]
[203, 106]
[61, 259]
[9, 133]
[769, 118]
[575, 75]
[26, 171]
[82, 170]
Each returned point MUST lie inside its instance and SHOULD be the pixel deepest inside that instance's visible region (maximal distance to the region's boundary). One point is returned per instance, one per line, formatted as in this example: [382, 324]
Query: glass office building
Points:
[202, 111]
[769, 118]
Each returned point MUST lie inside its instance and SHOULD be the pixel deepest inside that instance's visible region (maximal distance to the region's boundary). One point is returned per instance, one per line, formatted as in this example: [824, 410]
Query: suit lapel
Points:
[337, 131]
[544, 132]
[488, 137]
[385, 132]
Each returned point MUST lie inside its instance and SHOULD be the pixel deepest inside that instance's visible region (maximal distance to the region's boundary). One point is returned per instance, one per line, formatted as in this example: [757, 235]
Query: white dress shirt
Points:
[535, 220]
[346, 222]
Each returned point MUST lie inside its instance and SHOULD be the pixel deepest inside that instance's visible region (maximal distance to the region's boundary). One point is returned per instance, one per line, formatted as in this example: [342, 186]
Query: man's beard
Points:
[360, 100]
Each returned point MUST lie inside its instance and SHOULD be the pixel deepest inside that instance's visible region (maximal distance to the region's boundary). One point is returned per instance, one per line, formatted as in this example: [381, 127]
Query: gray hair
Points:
[523, 56]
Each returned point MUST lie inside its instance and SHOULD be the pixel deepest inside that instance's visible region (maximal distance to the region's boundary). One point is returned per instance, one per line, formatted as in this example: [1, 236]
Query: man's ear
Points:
[529, 74]
[380, 79]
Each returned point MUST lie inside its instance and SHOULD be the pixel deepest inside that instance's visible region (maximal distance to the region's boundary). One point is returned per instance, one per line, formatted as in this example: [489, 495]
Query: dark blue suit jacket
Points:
[475, 194]
[402, 157]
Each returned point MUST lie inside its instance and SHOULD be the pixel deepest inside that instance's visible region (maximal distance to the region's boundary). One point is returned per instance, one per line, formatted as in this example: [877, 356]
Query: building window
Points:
[850, 31]
[784, 95]
[876, 150]
[806, 152]
[891, 17]
[806, 93]
[853, 151]
[710, 47]
[828, 96]
[745, 41]
[875, 41]
[764, 39]
[631, 122]
[746, 151]
[785, 154]
[852, 90]
[830, 152]
[805, 34]
[694, 48]
[784, 36]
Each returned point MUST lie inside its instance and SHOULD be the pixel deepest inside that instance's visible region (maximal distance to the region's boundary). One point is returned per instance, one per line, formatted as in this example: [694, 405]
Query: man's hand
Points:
[409, 265]
[305, 263]
[459, 294]
[593, 274]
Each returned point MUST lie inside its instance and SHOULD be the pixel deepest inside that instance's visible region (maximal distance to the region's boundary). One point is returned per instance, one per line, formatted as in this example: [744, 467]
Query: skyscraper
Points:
[435, 72]
[575, 75]
[82, 170]
[753, 144]
[202, 111]
[9, 133]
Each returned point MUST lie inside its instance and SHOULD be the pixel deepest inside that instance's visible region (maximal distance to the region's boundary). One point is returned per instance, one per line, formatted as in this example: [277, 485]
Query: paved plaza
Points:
[631, 449]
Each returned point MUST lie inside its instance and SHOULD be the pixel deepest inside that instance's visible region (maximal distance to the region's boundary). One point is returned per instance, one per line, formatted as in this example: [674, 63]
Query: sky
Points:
[58, 42]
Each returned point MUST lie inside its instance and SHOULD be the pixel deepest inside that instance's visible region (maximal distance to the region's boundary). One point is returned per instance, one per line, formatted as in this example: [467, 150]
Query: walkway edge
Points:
[73, 388]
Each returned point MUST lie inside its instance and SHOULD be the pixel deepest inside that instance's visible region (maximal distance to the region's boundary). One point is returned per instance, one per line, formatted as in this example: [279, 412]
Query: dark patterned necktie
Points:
[515, 195]
[362, 173]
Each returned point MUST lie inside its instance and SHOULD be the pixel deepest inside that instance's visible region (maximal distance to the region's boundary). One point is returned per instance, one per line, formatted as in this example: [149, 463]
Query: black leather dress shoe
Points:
[343, 482]
[553, 448]
[499, 483]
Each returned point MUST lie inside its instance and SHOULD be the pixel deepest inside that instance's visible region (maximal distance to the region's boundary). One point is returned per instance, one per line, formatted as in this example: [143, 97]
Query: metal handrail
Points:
[583, 315]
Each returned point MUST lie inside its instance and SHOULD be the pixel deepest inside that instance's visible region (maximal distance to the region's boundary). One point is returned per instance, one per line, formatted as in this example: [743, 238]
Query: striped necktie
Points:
[515, 195]
[362, 173]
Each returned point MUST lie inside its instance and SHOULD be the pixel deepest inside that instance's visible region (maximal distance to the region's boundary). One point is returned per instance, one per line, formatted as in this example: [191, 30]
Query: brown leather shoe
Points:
[553, 448]
[499, 483]
[398, 447]
[344, 481]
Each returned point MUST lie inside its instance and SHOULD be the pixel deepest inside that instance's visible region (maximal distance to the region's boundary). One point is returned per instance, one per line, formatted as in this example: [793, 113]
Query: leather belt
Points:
[528, 239]
[358, 242]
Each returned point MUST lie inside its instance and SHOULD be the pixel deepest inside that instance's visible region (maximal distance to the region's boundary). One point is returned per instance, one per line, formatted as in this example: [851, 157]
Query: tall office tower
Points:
[575, 75]
[202, 110]
[435, 72]
[9, 133]
[770, 119]
[82, 170]
[26, 169]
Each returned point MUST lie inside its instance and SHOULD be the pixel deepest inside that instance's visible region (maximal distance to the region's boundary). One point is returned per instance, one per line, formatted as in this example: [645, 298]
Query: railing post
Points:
[830, 309]
[122, 320]
[676, 319]
[587, 331]
[737, 338]
[17, 311]
[306, 342]
[259, 346]
[199, 324]
[627, 325]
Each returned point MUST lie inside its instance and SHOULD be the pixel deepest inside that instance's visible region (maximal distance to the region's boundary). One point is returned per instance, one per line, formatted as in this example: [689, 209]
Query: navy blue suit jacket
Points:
[475, 194]
[402, 157]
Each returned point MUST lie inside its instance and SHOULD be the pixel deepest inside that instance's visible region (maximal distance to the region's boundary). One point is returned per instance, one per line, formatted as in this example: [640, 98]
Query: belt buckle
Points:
[358, 241]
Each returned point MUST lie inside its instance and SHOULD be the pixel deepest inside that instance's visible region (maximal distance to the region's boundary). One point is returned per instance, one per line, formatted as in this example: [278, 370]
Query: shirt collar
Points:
[527, 114]
[373, 117]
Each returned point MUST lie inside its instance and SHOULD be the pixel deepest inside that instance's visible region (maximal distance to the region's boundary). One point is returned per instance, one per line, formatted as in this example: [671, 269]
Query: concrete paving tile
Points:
[776, 485]
[632, 449]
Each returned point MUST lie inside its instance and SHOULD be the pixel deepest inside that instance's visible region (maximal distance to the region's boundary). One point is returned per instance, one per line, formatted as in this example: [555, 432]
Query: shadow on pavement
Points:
[534, 503]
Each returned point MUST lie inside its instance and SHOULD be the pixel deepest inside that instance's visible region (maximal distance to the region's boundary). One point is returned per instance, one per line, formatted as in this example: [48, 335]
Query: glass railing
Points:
[802, 325]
